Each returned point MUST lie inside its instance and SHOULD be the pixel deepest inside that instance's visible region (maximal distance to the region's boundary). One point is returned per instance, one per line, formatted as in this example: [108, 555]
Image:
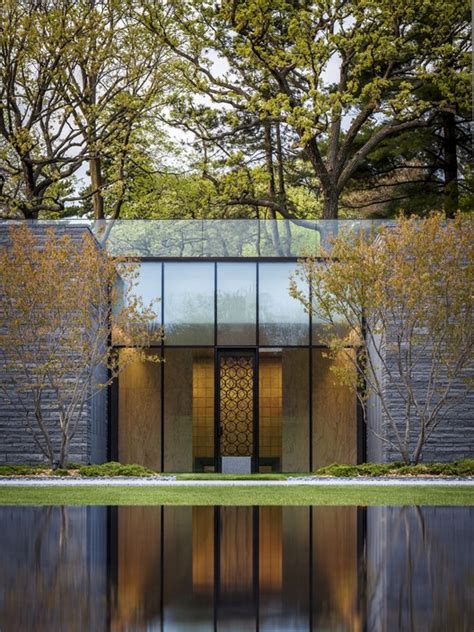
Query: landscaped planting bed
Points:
[461, 468]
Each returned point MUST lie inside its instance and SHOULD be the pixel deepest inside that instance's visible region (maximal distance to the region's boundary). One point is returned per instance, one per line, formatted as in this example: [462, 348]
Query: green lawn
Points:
[258, 495]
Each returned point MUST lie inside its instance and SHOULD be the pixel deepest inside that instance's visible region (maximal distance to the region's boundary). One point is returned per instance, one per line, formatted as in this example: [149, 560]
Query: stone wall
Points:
[453, 437]
[17, 444]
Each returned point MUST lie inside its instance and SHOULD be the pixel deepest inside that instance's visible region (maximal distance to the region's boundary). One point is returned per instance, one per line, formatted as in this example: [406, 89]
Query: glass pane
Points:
[236, 303]
[189, 303]
[282, 318]
[147, 287]
[189, 410]
[139, 407]
[324, 329]
[284, 410]
[334, 412]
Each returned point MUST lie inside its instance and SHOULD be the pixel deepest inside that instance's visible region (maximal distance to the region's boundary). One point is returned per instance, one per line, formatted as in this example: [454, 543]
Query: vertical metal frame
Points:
[162, 372]
[112, 419]
[310, 377]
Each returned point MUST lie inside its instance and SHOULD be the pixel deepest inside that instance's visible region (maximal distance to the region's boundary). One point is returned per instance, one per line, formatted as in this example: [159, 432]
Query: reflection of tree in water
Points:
[418, 577]
[49, 579]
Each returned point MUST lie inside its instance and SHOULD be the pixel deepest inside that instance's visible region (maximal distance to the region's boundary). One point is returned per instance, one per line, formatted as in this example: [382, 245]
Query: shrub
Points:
[21, 470]
[464, 467]
[115, 469]
[60, 471]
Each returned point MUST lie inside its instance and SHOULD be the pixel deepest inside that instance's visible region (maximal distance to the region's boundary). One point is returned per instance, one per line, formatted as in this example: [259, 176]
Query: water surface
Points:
[134, 569]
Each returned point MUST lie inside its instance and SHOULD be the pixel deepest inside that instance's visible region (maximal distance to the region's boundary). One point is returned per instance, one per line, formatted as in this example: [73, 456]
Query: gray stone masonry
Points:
[17, 446]
[452, 439]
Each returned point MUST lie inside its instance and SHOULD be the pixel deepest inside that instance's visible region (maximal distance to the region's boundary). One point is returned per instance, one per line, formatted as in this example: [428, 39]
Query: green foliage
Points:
[60, 471]
[114, 469]
[464, 467]
[22, 470]
[339, 78]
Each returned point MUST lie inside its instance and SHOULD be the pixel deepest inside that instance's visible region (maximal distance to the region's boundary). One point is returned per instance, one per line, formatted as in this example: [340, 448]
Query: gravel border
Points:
[171, 481]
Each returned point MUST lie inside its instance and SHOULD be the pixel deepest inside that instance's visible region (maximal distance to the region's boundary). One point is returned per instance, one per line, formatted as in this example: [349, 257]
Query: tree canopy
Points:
[257, 107]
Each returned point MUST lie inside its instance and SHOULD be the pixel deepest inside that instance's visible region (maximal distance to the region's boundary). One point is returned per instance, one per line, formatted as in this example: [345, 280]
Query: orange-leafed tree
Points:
[402, 295]
[59, 308]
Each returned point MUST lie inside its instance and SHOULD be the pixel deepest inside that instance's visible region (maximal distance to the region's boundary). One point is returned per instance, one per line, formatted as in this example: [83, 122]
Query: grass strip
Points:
[257, 495]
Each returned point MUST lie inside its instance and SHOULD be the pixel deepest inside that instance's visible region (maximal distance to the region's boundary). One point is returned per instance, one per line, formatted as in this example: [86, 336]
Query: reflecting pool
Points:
[285, 569]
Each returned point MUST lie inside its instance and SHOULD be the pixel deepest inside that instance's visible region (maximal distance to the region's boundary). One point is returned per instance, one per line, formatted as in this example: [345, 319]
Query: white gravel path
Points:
[291, 482]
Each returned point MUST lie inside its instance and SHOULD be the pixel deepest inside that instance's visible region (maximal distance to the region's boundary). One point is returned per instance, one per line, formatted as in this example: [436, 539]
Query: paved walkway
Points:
[291, 482]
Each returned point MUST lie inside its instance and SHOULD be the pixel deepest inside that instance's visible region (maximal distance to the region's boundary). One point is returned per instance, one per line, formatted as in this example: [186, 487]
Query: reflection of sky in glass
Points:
[146, 286]
[282, 318]
[236, 303]
[189, 303]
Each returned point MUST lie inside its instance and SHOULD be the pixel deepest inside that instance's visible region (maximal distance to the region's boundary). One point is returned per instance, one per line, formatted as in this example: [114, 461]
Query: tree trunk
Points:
[271, 184]
[281, 186]
[96, 185]
[331, 205]
[451, 191]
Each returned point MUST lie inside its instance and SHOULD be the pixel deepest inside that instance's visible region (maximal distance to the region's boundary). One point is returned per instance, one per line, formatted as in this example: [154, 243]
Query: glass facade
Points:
[236, 303]
[245, 384]
[284, 410]
[189, 303]
[188, 411]
[139, 402]
[282, 319]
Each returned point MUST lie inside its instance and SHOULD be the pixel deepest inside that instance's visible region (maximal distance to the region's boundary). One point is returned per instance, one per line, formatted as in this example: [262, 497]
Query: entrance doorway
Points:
[236, 408]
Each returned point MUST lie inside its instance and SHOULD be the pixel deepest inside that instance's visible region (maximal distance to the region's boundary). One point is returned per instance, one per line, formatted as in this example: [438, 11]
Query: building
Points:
[245, 384]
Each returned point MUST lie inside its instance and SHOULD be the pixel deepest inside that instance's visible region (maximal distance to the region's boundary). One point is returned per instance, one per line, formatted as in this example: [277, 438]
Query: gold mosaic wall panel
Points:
[203, 407]
[270, 406]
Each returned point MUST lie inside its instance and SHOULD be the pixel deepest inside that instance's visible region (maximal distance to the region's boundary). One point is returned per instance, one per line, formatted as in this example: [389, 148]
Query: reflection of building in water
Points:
[279, 569]
[226, 568]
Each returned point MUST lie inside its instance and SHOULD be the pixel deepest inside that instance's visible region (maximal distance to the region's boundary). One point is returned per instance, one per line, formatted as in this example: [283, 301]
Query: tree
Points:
[416, 172]
[77, 79]
[38, 145]
[58, 313]
[397, 63]
[405, 297]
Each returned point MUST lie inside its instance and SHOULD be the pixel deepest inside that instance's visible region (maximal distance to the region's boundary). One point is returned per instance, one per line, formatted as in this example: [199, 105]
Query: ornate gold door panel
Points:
[236, 404]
